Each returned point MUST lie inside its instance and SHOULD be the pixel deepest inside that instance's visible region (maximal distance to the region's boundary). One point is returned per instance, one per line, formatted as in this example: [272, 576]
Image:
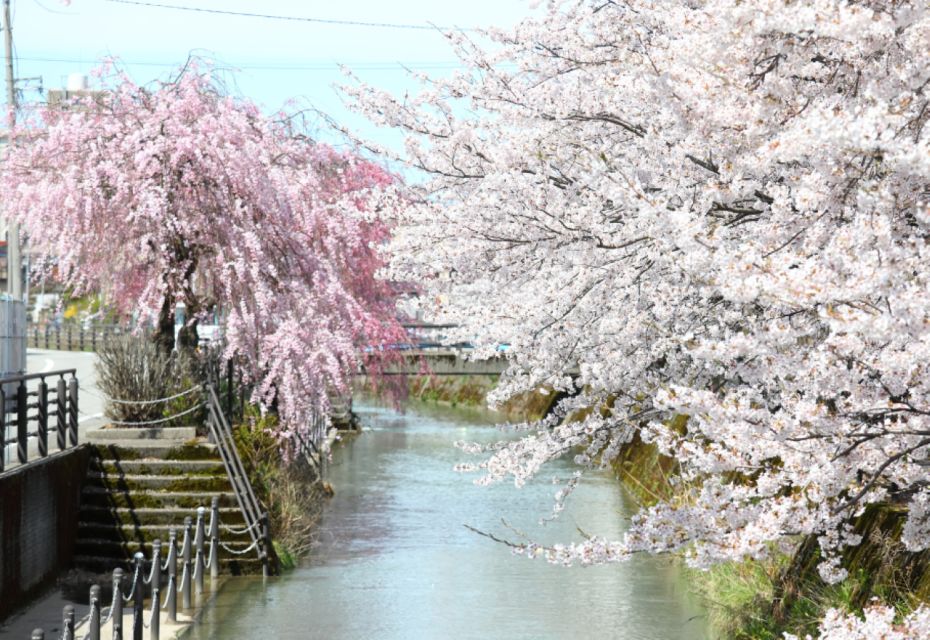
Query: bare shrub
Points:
[132, 368]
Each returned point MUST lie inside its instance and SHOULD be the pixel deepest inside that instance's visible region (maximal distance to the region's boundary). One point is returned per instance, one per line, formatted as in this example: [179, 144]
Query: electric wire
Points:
[265, 16]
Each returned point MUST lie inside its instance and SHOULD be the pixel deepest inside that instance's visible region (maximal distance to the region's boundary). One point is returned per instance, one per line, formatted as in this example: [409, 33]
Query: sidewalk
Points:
[46, 613]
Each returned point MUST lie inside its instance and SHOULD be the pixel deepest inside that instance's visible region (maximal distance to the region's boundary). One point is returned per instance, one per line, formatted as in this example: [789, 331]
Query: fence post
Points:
[58, 338]
[61, 413]
[186, 563]
[138, 604]
[22, 419]
[229, 390]
[198, 545]
[116, 613]
[70, 346]
[266, 544]
[68, 621]
[93, 623]
[46, 336]
[42, 417]
[215, 538]
[172, 603]
[155, 624]
[73, 410]
[81, 338]
[2, 426]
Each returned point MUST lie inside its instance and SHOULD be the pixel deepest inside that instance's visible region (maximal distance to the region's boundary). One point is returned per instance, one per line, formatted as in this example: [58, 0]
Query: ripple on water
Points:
[395, 561]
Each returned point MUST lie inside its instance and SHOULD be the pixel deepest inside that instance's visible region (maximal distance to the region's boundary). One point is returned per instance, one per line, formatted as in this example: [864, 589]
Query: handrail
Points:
[61, 418]
[253, 513]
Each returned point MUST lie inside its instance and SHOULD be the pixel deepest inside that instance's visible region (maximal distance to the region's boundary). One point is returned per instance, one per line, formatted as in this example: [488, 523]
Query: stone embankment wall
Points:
[39, 506]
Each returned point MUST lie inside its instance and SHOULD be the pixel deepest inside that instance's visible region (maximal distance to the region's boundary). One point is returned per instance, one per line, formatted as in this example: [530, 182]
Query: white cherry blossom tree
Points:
[715, 209]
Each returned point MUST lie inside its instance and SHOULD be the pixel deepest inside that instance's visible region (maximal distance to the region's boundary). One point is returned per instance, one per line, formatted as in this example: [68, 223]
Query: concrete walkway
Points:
[46, 613]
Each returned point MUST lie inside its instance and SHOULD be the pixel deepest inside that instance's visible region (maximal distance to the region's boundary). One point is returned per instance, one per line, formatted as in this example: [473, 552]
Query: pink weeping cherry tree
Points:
[179, 193]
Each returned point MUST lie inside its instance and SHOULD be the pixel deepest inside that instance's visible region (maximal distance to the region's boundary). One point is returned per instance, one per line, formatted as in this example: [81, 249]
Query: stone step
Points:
[247, 564]
[121, 550]
[119, 532]
[152, 517]
[160, 467]
[178, 435]
[157, 450]
[134, 483]
[100, 496]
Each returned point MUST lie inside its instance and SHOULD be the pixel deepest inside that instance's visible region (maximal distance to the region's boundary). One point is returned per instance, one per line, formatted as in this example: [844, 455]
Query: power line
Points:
[315, 66]
[244, 14]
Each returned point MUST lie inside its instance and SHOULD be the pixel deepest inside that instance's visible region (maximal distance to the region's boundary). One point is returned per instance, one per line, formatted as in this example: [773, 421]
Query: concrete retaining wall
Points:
[39, 506]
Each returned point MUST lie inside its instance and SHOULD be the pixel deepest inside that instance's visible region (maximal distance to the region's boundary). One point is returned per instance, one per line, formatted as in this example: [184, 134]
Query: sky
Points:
[275, 60]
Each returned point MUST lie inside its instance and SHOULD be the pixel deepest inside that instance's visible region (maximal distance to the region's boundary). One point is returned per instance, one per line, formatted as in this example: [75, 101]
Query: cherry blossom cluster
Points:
[181, 193]
[878, 622]
[707, 223]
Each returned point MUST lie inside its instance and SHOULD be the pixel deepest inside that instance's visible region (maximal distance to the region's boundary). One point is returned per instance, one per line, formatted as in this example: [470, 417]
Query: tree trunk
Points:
[187, 336]
[164, 331]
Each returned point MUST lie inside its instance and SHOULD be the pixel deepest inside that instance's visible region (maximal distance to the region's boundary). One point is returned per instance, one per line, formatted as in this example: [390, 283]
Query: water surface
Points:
[394, 561]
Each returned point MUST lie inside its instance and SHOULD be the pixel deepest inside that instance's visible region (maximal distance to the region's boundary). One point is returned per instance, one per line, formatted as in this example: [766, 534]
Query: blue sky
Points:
[276, 60]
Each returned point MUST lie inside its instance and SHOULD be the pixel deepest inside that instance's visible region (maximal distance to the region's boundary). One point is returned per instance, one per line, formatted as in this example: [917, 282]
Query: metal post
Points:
[138, 604]
[186, 563]
[93, 339]
[58, 338]
[70, 346]
[67, 621]
[215, 538]
[61, 413]
[266, 545]
[42, 418]
[117, 612]
[198, 545]
[81, 338]
[172, 604]
[46, 336]
[73, 410]
[93, 624]
[22, 419]
[2, 427]
[229, 390]
[154, 627]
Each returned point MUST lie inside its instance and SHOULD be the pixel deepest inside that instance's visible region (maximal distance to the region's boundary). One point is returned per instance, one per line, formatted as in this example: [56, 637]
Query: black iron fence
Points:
[179, 580]
[34, 406]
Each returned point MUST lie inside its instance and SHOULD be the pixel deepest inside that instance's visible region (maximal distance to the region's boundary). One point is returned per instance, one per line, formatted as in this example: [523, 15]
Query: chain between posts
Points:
[196, 540]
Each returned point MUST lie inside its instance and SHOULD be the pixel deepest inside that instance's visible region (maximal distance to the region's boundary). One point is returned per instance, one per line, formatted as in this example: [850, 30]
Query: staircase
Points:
[143, 482]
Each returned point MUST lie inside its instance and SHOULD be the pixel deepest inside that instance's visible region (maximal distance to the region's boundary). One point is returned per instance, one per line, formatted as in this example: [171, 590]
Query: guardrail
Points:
[70, 337]
[198, 552]
[55, 411]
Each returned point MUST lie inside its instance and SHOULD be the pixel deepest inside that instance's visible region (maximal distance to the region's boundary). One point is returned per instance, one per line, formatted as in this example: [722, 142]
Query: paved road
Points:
[90, 400]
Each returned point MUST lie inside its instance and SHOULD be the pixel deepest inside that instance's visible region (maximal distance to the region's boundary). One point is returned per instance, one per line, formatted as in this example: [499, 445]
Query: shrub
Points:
[131, 368]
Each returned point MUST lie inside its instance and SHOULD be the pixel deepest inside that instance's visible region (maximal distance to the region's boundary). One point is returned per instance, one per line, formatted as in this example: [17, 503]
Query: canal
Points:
[394, 561]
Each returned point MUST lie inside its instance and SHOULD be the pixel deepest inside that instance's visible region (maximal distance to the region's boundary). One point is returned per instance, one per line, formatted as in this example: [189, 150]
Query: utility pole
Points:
[14, 269]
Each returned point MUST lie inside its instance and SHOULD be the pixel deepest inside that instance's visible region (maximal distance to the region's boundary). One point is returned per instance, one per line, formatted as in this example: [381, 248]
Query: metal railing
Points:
[197, 552]
[32, 414]
[256, 518]
[73, 337]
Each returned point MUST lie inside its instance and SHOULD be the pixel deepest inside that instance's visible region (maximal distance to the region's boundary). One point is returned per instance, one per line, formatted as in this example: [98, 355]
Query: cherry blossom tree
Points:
[181, 193]
[709, 223]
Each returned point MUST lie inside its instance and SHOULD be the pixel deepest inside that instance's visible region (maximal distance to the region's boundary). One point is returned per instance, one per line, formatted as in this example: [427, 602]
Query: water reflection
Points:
[395, 561]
